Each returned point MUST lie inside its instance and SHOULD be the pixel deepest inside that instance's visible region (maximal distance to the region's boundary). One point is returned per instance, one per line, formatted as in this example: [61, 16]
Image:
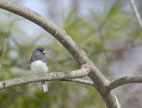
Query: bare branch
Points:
[3, 53]
[43, 22]
[44, 77]
[125, 80]
[100, 81]
[133, 5]
[81, 81]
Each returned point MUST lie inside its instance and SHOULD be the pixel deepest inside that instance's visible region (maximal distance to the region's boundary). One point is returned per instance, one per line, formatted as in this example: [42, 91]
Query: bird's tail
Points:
[44, 87]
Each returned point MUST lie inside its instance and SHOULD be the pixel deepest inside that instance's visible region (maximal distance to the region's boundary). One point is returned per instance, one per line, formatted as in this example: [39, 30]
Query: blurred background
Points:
[106, 29]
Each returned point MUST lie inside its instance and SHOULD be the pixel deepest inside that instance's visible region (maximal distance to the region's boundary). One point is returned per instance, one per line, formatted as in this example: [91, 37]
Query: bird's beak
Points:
[44, 52]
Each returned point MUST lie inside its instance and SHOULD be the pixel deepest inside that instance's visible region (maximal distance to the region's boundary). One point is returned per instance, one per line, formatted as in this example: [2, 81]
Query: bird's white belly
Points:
[38, 67]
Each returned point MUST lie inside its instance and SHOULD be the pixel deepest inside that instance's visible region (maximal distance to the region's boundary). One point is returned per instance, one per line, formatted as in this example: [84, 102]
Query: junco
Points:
[38, 63]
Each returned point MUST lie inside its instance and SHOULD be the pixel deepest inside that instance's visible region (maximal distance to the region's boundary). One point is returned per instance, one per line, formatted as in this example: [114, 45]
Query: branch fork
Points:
[88, 68]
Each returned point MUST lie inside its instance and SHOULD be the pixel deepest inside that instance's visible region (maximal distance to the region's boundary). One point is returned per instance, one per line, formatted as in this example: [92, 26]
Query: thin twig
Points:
[3, 53]
[133, 5]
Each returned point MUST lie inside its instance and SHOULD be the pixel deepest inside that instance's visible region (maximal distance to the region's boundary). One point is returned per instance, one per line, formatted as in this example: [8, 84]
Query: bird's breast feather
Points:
[38, 67]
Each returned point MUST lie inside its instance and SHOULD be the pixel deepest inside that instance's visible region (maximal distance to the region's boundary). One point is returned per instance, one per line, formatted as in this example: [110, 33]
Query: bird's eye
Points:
[43, 51]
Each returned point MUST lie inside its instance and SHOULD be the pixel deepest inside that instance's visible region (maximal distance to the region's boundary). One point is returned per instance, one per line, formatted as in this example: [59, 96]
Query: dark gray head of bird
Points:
[38, 54]
[40, 50]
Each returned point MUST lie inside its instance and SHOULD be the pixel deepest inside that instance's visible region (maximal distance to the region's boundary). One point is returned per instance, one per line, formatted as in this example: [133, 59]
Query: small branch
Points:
[3, 53]
[133, 5]
[81, 81]
[125, 80]
[44, 77]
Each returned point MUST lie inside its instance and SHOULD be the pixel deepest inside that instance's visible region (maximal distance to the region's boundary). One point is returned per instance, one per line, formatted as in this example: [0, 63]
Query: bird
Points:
[38, 62]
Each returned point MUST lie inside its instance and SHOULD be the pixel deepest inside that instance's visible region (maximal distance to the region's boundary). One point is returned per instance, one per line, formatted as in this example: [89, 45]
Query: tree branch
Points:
[100, 81]
[125, 80]
[45, 77]
[133, 5]
[58, 33]
[3, 53]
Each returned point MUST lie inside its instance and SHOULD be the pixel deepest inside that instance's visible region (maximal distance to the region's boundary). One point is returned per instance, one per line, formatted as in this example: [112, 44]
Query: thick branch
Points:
[58, 33]
[44, 77]
[125, 80]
